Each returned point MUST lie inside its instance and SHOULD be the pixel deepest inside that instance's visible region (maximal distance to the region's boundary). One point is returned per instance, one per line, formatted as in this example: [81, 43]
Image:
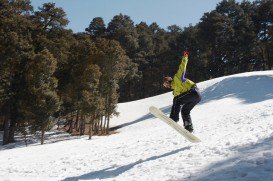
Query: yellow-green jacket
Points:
[178, 86]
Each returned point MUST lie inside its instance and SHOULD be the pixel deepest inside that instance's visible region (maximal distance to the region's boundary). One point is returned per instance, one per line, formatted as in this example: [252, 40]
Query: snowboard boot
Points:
[175, 120]
[187, 123]
[189, 128]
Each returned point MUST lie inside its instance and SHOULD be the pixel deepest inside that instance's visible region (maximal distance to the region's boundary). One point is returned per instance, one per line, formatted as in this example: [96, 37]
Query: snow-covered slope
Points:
[234, 121]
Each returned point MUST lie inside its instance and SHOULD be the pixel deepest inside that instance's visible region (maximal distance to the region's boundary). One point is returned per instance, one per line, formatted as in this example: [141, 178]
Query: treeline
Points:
[47, 72]
[233, 38]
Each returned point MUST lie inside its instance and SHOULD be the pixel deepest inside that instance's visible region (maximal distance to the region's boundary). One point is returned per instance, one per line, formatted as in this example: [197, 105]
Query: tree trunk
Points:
[91, 127]
[81, 125]
[96, 124]
[12, 131]
[70, 129]
[70, 123]
[77, 121]
[100, 120]
[101, 123]
[106, 112]
[43, 136]
[6, 131]
[108, 123]
[58, 123]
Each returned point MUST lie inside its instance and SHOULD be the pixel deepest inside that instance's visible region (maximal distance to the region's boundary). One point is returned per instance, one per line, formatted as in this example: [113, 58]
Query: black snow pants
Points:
[187, 100]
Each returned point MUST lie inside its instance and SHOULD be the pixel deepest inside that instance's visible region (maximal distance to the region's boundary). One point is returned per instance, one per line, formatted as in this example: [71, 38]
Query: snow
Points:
[234, 122]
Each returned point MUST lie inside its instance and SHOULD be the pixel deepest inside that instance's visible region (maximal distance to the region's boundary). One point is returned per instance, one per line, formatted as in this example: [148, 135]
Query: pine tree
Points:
[263, 22]
[41, 84]
[215, 32]
[97, 28]
[112, 61]
[121, 28]
[81, 93]
[15, 48]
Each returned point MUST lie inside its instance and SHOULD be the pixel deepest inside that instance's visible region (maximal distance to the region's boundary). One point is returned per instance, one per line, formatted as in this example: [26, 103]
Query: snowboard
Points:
[159, 114]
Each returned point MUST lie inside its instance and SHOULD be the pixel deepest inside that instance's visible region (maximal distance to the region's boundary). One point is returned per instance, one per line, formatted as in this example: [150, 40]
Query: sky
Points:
[164, 12]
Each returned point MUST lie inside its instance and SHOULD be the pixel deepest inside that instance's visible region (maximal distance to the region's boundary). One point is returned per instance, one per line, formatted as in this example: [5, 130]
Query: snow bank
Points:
[234, 121]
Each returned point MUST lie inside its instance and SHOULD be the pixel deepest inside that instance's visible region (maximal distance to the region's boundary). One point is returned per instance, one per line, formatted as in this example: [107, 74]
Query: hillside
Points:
[234, 122]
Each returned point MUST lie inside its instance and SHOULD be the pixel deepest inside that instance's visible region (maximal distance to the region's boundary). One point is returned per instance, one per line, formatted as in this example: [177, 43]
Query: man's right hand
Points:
[186, 53]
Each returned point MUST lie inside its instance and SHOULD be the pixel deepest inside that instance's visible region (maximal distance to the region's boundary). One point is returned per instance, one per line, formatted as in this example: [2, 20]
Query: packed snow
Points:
[234, 122]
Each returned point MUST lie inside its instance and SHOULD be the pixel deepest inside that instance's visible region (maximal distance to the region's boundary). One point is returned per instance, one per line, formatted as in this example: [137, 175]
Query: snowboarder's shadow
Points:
[165, 110]
[147, 116]
[114, 171]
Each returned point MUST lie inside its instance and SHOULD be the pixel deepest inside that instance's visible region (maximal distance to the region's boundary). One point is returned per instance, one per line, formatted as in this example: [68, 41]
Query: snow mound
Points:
[234, 121]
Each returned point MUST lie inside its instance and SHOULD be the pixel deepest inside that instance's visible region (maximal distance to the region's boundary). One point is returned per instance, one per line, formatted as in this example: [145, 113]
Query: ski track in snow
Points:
[234, 122]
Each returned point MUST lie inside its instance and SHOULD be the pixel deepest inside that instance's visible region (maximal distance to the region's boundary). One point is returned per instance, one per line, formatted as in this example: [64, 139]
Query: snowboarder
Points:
[186, 94]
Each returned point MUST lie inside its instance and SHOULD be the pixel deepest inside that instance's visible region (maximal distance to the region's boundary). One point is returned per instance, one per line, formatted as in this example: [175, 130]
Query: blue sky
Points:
[164, 12]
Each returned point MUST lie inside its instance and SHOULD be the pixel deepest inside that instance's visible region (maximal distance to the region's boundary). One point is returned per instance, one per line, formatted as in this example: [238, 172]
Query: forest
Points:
[49, 74]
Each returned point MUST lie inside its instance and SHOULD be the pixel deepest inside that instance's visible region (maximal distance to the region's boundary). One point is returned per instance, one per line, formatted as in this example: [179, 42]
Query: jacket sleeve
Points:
[182, 68]
[179, 74]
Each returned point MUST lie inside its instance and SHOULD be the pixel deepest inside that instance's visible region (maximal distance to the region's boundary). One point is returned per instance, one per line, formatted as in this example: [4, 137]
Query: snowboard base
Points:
[159, 114]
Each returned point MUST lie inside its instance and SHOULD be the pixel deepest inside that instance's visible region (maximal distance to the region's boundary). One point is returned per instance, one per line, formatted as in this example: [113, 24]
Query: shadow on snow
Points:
[113, 171]
[147, 116]
[165, 110]
[253, 162]
[34, 140]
